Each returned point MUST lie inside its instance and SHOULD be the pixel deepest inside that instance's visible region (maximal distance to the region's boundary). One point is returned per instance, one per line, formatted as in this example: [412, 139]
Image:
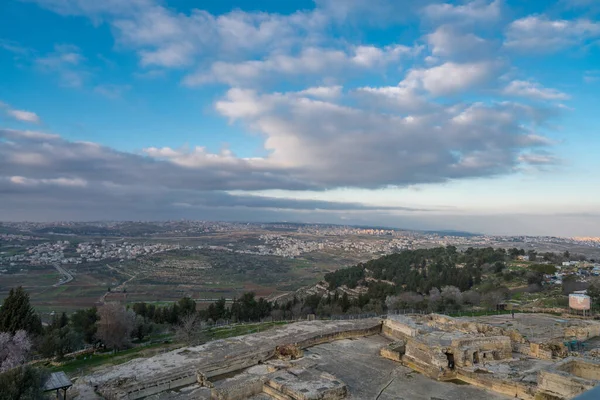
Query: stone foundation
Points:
[492, 356]
[569, 378]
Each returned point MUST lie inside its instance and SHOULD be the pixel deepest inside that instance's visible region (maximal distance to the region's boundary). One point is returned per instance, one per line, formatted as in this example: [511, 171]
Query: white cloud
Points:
[326, 142]
[449, 78]
[20, 115]
[591, 76]
[540, 34]
[66, 62]
[14, 134]
[533, 90]
[200, 157]
[310, 61]
[65, 182]
[93, 8]
[324, 92]
[172, 55]
[538, 159]
[448, 42]
[112, 91]
[398, 97]
[370, 56]
[14, 47]
[240, 103]
[62, 56]
[473, 11]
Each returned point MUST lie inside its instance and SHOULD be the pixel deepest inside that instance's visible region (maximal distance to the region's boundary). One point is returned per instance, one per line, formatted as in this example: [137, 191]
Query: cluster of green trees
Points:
[437, 279]
[331, 305]
[168, 314]
[421, 270]
[246, 308]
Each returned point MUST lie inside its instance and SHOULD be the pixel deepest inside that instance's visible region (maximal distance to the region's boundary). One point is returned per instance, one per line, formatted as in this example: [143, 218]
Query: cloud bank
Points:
[331, 109]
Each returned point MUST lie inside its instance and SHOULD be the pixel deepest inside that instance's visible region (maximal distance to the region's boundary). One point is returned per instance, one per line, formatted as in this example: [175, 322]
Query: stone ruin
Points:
[522, 358]
[492, 355]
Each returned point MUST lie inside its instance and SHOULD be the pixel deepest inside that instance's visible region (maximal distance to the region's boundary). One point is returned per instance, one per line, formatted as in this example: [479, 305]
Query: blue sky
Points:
[474, 115]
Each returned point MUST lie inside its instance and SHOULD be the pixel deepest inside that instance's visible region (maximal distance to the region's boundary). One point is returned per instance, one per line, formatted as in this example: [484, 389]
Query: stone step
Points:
[276, 394]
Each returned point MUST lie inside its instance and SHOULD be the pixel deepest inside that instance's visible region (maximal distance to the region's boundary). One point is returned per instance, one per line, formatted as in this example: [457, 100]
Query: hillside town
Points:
[76, 243]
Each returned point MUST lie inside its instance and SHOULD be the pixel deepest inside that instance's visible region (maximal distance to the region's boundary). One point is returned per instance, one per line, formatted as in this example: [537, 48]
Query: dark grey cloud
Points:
[38, 155]
[54, 199]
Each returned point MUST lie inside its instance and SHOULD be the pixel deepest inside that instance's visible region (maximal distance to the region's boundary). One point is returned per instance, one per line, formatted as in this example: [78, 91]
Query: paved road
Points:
[66, 276]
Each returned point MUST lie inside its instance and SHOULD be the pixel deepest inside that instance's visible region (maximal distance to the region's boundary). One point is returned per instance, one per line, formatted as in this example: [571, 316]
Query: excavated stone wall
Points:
[513, 389]
[585, 370]
[142, 378]
[564, 386]
[397, 329]
[394, 351]
[326, 338]
[533, 350]
[430, 361]
[583, 332]
[239, 391]
[475, 350]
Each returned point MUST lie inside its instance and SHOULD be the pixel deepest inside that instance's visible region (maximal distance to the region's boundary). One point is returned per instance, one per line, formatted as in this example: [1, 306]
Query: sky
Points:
[479, 115]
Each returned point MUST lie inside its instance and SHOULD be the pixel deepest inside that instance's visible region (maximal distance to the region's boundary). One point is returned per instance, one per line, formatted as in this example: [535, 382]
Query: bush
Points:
[22, 383]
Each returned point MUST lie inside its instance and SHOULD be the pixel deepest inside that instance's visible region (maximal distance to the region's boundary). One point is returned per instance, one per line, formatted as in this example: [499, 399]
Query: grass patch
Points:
[84, 364]
[238, 330]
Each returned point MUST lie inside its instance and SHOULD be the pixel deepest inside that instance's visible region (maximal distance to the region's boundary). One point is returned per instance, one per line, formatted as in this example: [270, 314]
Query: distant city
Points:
[288, 240]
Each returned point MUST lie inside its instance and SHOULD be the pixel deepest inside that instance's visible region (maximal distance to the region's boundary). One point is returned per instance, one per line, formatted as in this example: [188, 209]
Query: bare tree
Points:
[435, 299]
[189, 330]
[13, 349]
[115, 325]
[471, 297]
[410, 299]
[392, 302]
[492, 299]
[452, 296]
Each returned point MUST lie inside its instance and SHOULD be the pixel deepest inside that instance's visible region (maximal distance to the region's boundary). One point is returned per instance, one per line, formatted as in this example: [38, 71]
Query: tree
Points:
[142, 328]
[499, 266]
[217, 310]
[548, 269]
[84, 322]
[140, 309]
[60, 338]
[186, 306]
[594, 290]
[189, 330]
[471, 297]
[17, 313]
[22, 383]
[13, 349]
[344, 302]
[492, 299]
[532, 255]
[452, 297]
[435, 299]
[570, 284]
[535, 278]
[405, 300]
[115, 325]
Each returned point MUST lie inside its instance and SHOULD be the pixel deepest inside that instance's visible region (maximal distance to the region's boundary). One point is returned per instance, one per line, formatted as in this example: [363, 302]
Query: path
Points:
[66, 276]
[120, 286]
